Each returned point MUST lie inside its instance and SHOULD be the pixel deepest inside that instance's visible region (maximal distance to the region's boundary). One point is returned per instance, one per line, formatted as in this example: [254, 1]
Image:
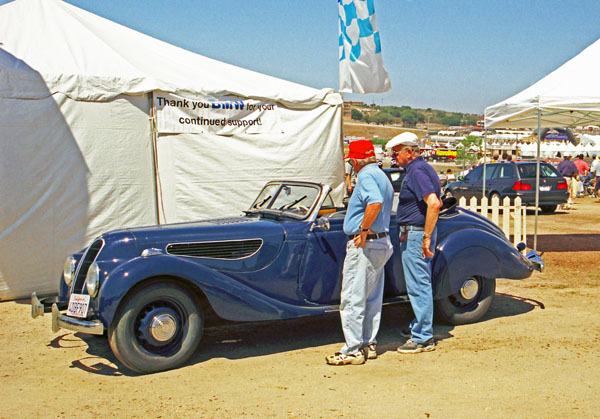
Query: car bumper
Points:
[62, 321]
[528, 198]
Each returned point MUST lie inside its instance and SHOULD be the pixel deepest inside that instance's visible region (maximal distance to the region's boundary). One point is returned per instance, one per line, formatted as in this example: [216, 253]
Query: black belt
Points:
[372, 236]
[406, 227]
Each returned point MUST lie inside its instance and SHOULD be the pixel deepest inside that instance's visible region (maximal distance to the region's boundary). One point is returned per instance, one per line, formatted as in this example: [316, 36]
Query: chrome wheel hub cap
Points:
[163, 327]
[469, 289]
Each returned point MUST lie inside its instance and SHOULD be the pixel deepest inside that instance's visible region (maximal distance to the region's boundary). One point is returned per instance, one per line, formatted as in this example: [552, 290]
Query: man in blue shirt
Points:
[368, 249]
[417, 214]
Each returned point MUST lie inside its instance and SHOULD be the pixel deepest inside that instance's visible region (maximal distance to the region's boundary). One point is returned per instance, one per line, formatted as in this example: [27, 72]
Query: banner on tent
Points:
[224, 115]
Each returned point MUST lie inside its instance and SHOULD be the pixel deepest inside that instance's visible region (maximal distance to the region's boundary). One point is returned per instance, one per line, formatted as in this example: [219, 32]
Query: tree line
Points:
[409, 117]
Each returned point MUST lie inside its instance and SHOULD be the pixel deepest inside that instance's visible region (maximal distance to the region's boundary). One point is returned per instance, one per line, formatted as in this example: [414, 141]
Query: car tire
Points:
[493, 194]
[157, 328]
[448, 194]
[548, 209]
[469, 304]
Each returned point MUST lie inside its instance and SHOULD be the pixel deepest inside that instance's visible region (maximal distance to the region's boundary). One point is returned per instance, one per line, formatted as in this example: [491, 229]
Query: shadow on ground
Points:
[566, 242]
[245, 340]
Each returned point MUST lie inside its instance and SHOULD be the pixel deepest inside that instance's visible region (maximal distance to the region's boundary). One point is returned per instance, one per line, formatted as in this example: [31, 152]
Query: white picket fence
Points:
[511, 214]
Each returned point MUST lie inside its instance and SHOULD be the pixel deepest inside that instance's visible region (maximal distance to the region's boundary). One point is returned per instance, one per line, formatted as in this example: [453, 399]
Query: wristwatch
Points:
[364, 229]
[426, 236]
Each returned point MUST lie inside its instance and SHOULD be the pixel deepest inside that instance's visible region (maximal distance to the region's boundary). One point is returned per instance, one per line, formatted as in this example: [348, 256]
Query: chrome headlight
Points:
[69, 270]
[92, 279]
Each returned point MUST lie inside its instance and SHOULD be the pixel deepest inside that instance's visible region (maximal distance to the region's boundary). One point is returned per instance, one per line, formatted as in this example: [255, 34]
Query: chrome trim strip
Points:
[216, 241]
[62, 321]
[151, 251]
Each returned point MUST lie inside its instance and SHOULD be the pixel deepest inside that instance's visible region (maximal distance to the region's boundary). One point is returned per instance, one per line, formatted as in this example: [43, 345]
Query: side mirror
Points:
[321, 224]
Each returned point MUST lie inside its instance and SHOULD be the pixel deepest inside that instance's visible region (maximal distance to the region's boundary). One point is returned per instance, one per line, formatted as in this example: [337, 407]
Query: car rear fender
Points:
[470, 252]
[229, 298]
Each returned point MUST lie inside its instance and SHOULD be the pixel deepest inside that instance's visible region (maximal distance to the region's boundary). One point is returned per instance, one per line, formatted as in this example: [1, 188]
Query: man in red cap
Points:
[368, 249]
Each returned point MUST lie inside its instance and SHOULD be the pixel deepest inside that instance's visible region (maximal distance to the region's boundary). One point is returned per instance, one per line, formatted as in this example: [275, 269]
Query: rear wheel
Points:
[469, 304]
[157, 328]
[493, 194]
[548, 209]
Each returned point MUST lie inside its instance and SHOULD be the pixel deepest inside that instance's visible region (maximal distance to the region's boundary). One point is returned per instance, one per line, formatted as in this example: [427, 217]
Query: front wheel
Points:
[157, 328]
[469, 304]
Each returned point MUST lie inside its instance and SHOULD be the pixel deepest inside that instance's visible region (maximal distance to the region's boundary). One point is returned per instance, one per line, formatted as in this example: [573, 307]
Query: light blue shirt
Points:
[372, 187]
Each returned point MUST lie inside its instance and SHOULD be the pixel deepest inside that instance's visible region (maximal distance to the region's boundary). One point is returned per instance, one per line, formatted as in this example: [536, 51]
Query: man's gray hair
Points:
[368, 160]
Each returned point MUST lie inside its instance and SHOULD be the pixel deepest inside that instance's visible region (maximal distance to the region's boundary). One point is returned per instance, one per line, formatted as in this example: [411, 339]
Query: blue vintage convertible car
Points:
[149, 289]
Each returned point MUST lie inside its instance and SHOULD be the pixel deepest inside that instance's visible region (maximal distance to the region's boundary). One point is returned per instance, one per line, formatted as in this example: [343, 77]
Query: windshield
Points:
[286, 198]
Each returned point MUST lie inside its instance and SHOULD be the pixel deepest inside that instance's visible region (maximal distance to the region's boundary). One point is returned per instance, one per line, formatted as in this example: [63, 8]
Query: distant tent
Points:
[95, 134]
[567, 97]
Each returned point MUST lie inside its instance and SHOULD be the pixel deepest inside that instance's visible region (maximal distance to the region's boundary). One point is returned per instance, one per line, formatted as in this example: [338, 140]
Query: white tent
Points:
[567, 97]
[104, 127]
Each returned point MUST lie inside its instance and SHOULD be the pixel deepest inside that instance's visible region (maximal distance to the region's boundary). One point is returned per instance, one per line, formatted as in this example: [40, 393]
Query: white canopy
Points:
[102, 127]
[99, 59]
[569, 96]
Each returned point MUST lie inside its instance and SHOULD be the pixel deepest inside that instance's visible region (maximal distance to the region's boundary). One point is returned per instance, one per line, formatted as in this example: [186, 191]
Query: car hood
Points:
[216, 230]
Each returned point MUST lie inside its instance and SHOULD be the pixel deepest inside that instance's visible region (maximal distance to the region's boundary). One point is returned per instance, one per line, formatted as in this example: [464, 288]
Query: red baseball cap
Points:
[360, 149]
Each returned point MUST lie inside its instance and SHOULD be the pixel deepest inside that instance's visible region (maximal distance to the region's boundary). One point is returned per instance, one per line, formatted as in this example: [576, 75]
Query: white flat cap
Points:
[406, 139]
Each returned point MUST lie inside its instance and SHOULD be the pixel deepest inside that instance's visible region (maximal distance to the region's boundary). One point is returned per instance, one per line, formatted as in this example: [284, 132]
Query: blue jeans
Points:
[362, 292]
[417, 274]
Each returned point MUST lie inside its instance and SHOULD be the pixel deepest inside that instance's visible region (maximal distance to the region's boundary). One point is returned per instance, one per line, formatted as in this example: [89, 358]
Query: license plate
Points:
[544, 188]
[78, 305]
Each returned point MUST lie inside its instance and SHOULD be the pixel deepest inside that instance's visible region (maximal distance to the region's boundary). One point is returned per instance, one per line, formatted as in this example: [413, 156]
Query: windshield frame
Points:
[278, 187]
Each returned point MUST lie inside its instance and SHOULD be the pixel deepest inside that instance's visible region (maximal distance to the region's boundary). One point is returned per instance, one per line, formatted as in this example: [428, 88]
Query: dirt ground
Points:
[535, 354]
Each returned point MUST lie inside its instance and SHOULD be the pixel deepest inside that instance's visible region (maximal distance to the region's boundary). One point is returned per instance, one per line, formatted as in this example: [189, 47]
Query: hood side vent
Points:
[228, 250]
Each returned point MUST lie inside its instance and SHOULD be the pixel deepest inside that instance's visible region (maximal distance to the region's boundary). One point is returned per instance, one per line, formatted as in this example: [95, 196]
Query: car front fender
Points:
[229, 298]
[474, 252]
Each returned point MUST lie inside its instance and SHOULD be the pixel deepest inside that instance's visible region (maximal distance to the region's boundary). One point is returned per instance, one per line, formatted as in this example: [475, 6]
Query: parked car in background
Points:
[396, 176]
[512, 179]
[150, 289]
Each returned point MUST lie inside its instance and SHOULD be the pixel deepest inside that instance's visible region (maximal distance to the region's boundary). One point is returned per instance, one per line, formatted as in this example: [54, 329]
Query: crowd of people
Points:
[581, 177]
[369, 247]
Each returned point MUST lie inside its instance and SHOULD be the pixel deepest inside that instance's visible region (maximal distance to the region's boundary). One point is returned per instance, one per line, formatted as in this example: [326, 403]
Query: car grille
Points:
[230, 250]
[84, 265]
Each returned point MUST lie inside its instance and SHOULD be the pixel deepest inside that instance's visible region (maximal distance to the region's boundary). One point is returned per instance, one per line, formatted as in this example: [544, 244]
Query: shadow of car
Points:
[513, 179]
[150, 289]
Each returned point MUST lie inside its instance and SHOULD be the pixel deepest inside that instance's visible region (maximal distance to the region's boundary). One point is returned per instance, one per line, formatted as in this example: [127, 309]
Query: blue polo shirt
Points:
[372, 187]
[420, 180]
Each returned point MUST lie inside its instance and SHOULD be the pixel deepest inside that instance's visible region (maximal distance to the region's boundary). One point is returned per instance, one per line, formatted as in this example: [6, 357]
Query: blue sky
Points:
[455, 55]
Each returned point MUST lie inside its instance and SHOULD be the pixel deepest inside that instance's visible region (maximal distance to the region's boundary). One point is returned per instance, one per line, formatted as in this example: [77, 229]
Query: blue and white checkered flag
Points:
[361, 65]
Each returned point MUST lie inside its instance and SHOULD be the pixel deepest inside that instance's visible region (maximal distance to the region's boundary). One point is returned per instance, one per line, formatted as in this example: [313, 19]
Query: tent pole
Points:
[484, 161]
[154, 156]
[537, 178]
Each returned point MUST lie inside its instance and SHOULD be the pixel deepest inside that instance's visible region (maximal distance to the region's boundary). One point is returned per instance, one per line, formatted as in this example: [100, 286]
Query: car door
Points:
[505, 178]
[320, 274]
[471, 185]
[492, 172]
